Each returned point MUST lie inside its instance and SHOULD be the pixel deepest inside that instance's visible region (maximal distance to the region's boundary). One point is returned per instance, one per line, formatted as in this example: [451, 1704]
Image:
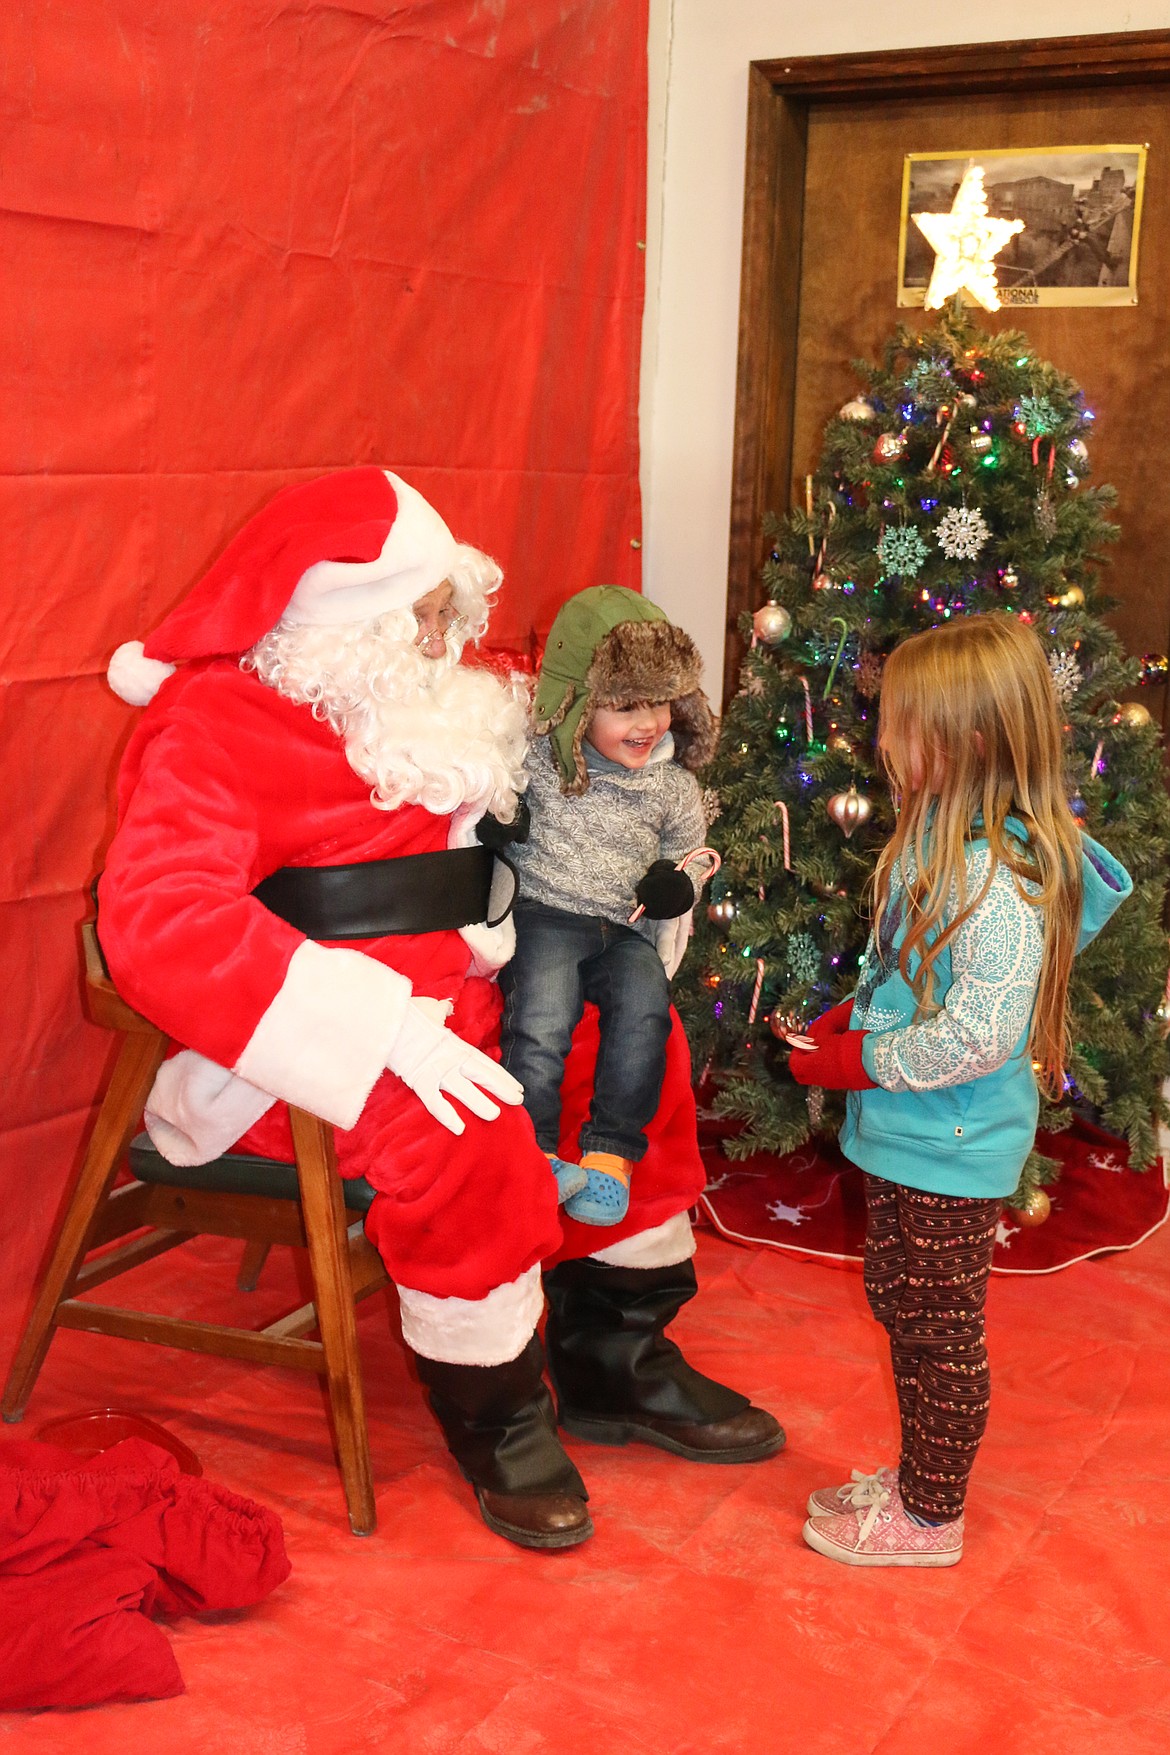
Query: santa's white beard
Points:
[419, 730]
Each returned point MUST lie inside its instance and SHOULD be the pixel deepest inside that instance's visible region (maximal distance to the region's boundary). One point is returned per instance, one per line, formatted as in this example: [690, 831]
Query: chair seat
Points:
[237, 1173]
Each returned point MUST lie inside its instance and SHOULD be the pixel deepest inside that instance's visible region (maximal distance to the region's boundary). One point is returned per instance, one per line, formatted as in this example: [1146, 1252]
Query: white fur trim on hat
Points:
[134, 677]
[417, 555]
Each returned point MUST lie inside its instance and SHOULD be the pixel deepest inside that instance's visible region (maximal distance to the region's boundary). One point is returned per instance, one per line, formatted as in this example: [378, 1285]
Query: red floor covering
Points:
[696, 1620]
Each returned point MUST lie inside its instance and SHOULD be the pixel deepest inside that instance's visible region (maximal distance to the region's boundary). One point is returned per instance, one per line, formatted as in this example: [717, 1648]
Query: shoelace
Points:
[864, 1489]
[875, 1496]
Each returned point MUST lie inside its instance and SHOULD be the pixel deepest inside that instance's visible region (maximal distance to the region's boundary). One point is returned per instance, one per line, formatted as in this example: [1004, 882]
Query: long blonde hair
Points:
[970, 735]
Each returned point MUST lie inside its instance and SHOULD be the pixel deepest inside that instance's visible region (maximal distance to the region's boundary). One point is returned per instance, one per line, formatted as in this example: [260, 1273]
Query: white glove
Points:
[432, 1060]
[671, 938]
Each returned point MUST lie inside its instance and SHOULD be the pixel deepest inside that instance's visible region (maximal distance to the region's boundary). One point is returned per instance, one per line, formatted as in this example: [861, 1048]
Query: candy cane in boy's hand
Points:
[683, 863]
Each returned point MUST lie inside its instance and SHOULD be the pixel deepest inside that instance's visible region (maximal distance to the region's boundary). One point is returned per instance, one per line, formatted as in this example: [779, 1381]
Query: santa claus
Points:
[297, 894]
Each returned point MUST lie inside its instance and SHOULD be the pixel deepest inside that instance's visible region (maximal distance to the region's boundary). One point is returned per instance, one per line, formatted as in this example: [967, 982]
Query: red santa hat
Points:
[344, 547]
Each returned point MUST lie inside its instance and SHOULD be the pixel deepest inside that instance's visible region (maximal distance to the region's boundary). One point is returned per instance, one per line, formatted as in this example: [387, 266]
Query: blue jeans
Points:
[561, 961]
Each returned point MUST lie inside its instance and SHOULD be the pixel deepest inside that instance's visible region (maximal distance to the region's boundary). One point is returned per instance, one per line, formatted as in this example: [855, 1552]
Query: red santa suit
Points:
[225, 782]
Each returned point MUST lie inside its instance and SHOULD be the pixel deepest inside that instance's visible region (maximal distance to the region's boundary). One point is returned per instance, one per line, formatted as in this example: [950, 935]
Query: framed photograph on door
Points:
[1081, 210]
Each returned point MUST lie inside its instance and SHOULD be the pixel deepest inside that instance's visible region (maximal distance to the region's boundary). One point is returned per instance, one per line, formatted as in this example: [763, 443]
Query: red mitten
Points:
[835, 1064]
[830, 1023]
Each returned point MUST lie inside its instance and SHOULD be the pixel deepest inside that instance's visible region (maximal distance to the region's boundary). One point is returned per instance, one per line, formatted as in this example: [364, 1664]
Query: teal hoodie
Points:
[968, 1139]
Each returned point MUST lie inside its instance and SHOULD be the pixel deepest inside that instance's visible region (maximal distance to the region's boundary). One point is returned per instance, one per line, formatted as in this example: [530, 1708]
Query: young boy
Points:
[620, 724]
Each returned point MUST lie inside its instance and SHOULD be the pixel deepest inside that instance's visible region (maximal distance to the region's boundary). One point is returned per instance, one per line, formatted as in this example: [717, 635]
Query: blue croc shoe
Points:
[571, 1178]
[606, 1198]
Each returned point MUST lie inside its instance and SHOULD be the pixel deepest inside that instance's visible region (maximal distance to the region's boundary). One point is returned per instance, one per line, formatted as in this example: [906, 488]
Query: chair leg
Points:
[325, 1228]
[140, 1058]
[252, 1265]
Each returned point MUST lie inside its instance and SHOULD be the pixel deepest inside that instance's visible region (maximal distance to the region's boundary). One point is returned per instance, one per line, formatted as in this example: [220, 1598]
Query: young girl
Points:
[982, 898]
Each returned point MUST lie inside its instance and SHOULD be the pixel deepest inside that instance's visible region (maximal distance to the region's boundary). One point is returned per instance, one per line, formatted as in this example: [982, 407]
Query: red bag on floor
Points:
[89, 1549]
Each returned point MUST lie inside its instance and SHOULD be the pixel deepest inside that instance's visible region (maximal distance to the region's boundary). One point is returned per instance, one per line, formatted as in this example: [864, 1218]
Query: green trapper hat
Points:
[611, 647]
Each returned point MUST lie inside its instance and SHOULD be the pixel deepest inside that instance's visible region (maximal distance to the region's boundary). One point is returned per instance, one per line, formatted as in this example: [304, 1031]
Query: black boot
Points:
[617, 1377]
[500, 1427]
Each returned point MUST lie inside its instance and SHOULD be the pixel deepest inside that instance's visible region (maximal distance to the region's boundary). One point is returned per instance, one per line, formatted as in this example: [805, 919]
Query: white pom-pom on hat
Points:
[134, 677]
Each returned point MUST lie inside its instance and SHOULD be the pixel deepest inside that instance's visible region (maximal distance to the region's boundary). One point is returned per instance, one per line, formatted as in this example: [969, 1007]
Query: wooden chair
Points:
[259, 1200]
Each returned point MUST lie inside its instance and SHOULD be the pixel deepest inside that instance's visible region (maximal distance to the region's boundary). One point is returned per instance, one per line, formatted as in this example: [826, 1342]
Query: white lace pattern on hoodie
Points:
[995, 964]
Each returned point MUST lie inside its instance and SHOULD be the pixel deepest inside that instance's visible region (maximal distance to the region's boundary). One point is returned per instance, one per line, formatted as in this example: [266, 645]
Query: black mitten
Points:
[665, 892]
[491, 832]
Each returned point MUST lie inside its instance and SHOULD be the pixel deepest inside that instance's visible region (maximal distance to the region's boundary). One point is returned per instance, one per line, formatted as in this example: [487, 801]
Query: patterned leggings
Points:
[927, 1262]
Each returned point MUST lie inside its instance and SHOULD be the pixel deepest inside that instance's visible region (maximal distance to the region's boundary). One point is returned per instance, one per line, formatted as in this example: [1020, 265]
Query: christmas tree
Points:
[954, 485]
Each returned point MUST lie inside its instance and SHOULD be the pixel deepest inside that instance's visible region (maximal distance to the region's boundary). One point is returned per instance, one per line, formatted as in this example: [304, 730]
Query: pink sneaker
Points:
[858, 1492]
[883, 1535]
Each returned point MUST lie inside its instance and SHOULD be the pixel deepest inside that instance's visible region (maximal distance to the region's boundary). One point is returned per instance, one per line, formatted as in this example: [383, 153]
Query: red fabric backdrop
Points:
[248, 242]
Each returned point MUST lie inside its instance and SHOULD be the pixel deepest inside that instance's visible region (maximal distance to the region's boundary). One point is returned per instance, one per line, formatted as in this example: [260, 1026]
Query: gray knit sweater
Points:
[587, 854]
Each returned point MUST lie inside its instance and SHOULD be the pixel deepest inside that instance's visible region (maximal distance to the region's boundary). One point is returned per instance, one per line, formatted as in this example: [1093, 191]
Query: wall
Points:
[699, 56]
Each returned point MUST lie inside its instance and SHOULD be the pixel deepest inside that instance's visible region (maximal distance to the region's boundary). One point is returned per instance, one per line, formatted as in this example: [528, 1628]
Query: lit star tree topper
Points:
[966, 242]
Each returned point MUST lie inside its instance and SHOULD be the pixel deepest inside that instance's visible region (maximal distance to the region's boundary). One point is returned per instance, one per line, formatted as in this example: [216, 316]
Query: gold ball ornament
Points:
[1135, 715]
[858, 408]
[784, 1024]
[889, 447]
[1072, 597]
[722, 913]
[1009, 578]
[1035, 1209]
[771, 623]
[840, 743]
[849, 809]
[980, 442]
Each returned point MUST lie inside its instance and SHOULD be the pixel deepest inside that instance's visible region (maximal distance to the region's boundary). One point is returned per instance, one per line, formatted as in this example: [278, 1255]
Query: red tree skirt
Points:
[811, 1202]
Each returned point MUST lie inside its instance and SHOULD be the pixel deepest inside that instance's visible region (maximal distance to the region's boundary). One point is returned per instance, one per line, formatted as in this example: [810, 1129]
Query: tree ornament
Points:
[889, 447]
[1066, 676]
[772, 623]
[869, 674]
[723, 912]
[839, 743]
[1037, 417]
[1072, 597]
[966, 242]
[961, 533]
[1135, 715]
[1155, 666]
[1035, 1209]
[824, 582]
[980, 442]
[966, 401]
[902, 550]
[803, 957]
[1009, 578]
[1045, 514]
[858, 408]
[784, 1024]
[848, 809]
[1078, 450]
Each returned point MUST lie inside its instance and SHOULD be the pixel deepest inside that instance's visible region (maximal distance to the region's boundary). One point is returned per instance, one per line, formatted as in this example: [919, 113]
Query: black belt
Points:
[421, 892]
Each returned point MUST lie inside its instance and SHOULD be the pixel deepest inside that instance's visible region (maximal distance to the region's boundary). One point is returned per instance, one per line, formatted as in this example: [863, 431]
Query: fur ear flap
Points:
[541, 727]
[695, 728]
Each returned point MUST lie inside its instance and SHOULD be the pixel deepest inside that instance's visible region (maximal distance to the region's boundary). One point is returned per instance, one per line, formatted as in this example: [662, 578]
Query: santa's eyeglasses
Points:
[448, 621]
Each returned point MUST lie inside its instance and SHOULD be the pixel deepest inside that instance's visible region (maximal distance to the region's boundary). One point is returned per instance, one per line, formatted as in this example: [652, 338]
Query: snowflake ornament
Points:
[961, 533]
[1066, 675]
[1038, 416]
[712, 804]
[1045, 515]
[804, 959]
[902, 550]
